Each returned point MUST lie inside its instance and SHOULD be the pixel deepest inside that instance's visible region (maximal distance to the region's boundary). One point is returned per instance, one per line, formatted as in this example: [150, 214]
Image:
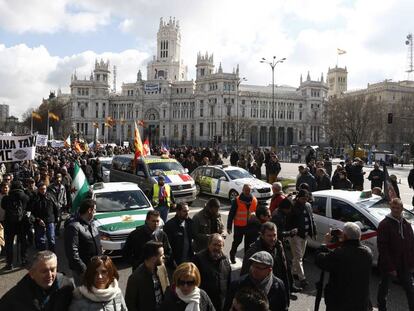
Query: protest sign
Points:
[41, 140]
[17, 148]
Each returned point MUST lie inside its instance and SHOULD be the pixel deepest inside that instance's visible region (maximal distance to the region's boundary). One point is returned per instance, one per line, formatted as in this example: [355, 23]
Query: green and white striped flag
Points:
[80, 188]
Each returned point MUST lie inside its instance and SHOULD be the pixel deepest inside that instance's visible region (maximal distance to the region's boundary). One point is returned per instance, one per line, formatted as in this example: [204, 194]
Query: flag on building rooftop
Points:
[80, 188]
[340, 52]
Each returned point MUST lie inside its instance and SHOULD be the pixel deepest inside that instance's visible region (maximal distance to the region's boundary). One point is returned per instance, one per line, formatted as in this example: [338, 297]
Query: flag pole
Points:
[31, 124]
[47, 124]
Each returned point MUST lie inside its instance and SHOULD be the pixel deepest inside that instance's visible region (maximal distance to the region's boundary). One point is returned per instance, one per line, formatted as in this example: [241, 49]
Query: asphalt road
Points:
[304, 301]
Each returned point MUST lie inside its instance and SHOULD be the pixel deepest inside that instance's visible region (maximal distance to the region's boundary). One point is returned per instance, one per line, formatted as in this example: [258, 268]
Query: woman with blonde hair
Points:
[100, 290]
[185, 294]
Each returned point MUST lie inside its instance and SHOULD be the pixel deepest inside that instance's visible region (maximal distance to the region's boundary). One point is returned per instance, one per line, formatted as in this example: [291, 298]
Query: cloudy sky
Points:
[42, 42]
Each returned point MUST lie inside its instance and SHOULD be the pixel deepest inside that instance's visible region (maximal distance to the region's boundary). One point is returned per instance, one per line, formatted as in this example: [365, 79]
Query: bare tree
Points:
[353, 120]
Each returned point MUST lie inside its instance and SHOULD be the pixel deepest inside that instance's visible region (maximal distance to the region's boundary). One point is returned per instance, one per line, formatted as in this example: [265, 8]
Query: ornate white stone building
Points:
[214, 107]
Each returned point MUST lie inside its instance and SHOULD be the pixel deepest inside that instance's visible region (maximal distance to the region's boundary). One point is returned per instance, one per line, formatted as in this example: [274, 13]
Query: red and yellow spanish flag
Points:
[138, 147]
[36, 116]
[146, 148]
[53, 116]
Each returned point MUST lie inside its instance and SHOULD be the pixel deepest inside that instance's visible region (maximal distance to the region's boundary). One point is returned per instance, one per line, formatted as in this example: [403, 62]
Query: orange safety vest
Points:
[243, 213]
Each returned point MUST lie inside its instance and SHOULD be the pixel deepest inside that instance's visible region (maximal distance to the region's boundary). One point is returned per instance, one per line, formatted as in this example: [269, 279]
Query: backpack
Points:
[16, 211]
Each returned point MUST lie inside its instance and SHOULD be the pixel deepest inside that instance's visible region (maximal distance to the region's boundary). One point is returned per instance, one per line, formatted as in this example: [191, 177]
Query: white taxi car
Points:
[120, 208]
[333, 208]
[227, 182]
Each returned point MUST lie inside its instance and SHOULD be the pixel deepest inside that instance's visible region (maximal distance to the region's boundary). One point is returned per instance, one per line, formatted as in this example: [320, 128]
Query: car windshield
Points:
[120, 201]
[106, 165]
[382, 208]
[237, 174]
[156, 168]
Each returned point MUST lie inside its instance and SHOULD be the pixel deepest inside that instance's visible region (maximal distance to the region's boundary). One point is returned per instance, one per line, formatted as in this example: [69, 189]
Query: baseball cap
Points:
[262, 257]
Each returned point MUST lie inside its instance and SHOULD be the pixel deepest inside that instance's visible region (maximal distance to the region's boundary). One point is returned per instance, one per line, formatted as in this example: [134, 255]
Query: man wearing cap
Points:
[300, 218]
[261, 277]
[162, 197]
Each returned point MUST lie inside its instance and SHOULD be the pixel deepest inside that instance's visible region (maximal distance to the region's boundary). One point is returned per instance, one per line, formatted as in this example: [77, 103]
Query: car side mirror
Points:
[186, 170]
[254, 175]
[223, 178]
[123, 167]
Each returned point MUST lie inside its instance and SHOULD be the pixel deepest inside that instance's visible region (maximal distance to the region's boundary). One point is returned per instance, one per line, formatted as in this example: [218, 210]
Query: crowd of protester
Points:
[182, 265]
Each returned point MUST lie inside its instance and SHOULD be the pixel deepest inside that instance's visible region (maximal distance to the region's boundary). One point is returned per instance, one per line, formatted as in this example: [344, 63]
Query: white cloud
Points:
[42, 16]
[306, 32]
[126, 25]
[28, 74]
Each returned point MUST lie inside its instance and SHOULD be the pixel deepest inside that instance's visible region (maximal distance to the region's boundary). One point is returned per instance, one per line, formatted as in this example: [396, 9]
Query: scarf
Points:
[192, 299]
[101, 295]
[265, 284]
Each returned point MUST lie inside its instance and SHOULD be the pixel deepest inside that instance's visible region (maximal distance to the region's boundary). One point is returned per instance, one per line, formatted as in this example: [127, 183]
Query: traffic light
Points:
[390, 118]
[219, 139]
[215, 139]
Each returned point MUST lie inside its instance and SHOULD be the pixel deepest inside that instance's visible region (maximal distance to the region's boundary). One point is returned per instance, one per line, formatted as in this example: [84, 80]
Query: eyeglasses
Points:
[188, 283]
[100, 257]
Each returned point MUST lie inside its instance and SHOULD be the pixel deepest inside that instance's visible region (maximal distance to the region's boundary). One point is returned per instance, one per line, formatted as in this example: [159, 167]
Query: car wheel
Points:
[233, 195]
[198, 189]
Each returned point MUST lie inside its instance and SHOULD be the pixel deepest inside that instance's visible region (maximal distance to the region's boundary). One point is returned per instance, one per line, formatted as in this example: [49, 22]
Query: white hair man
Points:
[42, 288]
[349, 263]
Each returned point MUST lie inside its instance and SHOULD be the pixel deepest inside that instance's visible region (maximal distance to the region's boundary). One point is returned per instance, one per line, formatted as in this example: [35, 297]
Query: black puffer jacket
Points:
[7, 204]
[349, 268]
[45, 208]
[215, 277]
[82, 242]
[28, 296]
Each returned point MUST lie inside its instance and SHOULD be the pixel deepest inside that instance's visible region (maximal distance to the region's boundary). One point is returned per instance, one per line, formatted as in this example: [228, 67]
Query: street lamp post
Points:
[273, 64]
[239, 81]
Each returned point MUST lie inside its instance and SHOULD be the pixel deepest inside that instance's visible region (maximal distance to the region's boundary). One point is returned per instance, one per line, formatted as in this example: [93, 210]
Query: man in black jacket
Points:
[42, 289]
[82, 240]
[269, 242]
[180, 235]
[349, 268]
[132, 250]
[45, 213]
[215, 270]
[301, 218]
[261, 278]
[146, 285]
[376, 176]
[15, 206]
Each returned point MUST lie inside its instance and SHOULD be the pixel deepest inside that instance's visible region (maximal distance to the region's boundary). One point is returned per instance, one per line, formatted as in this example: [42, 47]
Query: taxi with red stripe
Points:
[333, 208]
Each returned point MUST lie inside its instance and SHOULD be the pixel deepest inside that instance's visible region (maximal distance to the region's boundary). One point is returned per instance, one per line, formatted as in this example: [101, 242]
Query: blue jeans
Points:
[163, 212]
[43, 235]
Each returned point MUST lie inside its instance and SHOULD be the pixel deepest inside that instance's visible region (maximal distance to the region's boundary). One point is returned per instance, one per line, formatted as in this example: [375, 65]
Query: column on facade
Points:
[267, 136]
